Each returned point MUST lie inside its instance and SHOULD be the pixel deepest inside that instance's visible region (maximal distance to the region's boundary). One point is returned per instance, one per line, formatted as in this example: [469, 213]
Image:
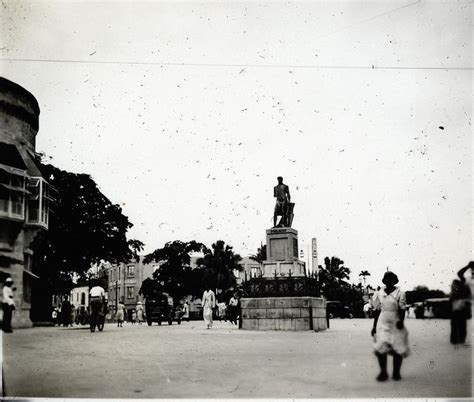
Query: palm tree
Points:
[364, 274]
[332, 277]
[219, 264]
[261, 254]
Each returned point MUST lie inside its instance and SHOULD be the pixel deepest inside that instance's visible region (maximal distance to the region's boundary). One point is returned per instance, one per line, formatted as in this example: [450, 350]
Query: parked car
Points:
[159, 308]
[337, 309]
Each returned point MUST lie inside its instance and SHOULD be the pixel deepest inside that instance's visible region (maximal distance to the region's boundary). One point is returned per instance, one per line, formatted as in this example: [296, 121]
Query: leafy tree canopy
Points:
[174, 275]
[85, 227]
[420, 293]
[219, 263]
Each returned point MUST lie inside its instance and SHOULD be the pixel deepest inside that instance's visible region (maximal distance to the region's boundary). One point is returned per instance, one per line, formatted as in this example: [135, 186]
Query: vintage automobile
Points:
[336, 309]
[159, 307]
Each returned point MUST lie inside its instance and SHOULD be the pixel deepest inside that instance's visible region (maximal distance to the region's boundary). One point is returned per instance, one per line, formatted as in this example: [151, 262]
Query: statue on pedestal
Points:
[283, 206]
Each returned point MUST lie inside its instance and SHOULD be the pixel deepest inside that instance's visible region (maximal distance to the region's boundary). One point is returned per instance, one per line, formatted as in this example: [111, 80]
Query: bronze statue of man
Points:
[282, 194]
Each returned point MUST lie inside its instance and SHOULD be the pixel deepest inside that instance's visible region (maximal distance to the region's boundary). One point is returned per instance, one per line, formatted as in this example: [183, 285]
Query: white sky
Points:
[192, 151]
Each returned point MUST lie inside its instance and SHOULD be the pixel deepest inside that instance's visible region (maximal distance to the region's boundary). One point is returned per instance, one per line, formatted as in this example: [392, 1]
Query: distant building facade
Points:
[125, 281]
[79, 296]
[252, 269]
[24, 193]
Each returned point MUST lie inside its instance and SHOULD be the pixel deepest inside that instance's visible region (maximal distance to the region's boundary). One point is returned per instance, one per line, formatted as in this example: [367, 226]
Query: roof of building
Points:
[10, 156]
[7, 86]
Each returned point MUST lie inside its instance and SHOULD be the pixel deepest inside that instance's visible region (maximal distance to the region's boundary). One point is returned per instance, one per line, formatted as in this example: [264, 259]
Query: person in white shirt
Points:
[97, 294]
[97, 291]
[8, 305]
[367, 308]
[233, 309]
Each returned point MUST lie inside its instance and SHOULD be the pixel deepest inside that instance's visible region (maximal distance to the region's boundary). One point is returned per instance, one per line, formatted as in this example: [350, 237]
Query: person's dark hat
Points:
[389, 278]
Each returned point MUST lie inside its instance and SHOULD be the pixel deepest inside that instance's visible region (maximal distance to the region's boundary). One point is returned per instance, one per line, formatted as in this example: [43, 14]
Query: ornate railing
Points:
[281, 286]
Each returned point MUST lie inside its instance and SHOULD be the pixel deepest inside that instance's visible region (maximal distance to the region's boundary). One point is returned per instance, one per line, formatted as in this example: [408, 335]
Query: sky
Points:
[185, 113]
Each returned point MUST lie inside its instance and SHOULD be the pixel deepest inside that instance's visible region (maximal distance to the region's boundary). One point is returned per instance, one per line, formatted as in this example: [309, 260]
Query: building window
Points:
[130, 271]
[38, 204]
[130, 290]
[12, 194]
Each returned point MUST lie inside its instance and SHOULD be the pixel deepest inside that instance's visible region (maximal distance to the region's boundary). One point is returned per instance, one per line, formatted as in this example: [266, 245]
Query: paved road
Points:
[192, 362]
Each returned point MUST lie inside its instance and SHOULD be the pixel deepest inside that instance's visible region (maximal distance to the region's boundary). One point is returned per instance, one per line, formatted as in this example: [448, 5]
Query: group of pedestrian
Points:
[138, 314]
[224, 311]
[63, 313]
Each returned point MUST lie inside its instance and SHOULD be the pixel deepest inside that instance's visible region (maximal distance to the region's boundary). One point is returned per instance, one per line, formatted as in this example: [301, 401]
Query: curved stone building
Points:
[24, 193]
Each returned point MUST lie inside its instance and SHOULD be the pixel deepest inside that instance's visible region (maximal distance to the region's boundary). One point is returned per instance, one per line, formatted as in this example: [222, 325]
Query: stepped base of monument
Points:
[304, 313]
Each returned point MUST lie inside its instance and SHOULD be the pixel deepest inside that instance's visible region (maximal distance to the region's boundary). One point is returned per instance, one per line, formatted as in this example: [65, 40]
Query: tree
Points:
[219, 264]
[261, 254]
[331, 278]
[364, 274]
[175, 276]
[85, 227]
[421, 293]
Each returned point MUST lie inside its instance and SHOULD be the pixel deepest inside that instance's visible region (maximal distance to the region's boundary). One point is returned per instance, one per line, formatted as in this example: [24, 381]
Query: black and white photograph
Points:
[236, 199]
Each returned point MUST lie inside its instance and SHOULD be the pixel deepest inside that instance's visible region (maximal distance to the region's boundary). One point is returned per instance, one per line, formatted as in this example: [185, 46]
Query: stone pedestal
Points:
[283, 268]
[282, 244]
[284, 297]
[284, 313]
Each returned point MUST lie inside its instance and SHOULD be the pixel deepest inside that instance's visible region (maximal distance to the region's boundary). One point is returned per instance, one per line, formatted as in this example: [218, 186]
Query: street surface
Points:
[188, 361]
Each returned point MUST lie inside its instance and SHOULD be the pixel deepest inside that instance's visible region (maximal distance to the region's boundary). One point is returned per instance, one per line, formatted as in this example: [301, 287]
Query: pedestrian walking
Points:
[222, 311]
[208, 303]
[186, 311]
[66, 311]
[120, 315]
[367, 309]
[134, 317]
[140, 311]
[8, 305]
[73, 314]
[233, 308]
[460, 304]
[389, 332]
[54, 316]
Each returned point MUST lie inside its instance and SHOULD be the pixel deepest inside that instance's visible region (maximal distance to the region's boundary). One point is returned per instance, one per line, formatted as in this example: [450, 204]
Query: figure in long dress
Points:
[208, 303]
[140, 315]
[389, 332]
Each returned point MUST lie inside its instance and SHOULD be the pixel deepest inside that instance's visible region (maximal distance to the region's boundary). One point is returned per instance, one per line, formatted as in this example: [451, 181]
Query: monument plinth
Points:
[285, 296]
[282, 253]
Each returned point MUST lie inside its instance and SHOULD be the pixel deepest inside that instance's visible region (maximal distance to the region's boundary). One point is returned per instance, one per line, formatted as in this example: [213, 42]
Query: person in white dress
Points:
[186, 311]
[140, 314]
[208, 303]
[389, 332]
